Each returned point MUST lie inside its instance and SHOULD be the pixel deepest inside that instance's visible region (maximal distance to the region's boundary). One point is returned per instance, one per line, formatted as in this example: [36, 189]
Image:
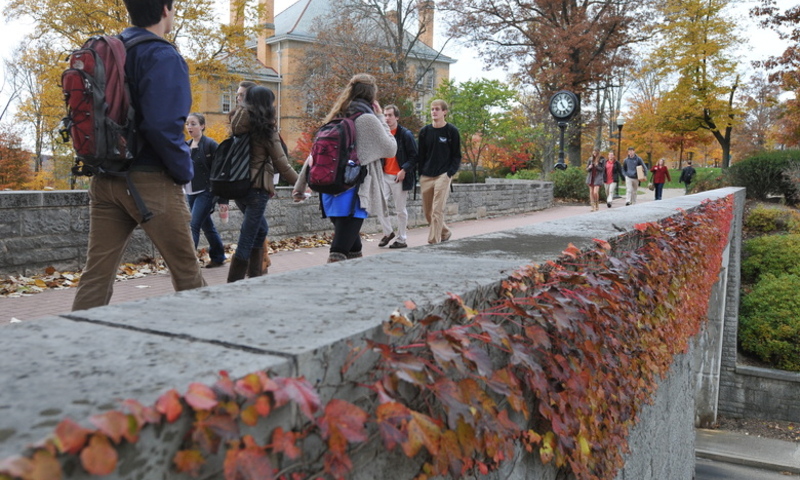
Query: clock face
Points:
[563, 104]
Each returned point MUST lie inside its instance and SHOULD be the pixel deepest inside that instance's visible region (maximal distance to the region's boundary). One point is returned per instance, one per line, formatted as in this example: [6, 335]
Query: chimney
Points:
[425, 13]
[266, 30]
[236, 19]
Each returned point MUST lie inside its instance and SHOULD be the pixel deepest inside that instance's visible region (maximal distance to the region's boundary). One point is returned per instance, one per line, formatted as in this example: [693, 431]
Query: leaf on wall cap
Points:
[99, 458]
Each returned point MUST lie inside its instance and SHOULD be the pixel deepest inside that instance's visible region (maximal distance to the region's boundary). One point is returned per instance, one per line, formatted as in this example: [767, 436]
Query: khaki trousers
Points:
[112, 218]
[435, 191]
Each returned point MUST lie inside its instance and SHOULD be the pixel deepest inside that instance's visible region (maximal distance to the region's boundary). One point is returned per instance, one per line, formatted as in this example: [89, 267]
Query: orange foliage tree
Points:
[15, 162]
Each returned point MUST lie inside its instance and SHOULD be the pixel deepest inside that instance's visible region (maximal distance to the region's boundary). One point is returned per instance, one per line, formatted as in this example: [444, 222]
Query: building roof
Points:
[298, 20]
[251, 69]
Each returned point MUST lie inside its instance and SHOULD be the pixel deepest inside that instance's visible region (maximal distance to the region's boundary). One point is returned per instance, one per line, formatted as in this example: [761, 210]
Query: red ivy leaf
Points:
[571, 251]
[225, 385]
[300, 391]
[142, 414]
[250, 463]
[169, 405]
[99, 458]
[285, 442]
[641, 226]
[70, 437]
[342, 422]
[392, 418]
[249, 386]
[114, 424]
[409, 305]
[602, 244]
[189, 461]
[200, 397]
[422, 431]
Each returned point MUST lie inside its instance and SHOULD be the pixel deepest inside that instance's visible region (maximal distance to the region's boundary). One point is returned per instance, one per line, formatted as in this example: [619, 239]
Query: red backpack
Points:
[100, 117]
[334, 166]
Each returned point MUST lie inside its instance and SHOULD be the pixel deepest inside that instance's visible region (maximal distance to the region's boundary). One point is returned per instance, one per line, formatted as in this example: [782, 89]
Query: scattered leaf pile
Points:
[18, 286]
[561, 366]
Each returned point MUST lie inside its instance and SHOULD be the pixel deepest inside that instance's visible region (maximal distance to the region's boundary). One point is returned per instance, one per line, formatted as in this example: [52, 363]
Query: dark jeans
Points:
[659, 190]
[254, 225]
[201, 205]
[346, 234]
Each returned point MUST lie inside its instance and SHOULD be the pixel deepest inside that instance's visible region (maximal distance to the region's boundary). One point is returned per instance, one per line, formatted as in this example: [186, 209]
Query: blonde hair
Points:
[441, 104]
[363, 86]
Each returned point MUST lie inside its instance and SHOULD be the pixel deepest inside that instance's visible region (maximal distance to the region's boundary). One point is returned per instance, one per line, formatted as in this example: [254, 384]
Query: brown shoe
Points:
[213, 264]
[386, 239]
[398, 244]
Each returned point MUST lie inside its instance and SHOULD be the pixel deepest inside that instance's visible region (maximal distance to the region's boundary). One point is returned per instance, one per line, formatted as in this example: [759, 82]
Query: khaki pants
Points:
[112, 218]
[435, 191]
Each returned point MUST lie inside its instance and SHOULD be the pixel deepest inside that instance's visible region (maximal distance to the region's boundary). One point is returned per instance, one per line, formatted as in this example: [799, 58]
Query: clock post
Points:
[563, 106]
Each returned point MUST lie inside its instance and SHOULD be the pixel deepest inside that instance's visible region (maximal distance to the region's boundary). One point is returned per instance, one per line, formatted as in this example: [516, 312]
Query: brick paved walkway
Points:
[53, 302]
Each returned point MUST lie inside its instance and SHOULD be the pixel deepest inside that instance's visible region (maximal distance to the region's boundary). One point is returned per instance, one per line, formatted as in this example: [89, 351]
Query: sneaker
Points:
[386, 239]
[627, 204]
[609, 204]
[398, 244]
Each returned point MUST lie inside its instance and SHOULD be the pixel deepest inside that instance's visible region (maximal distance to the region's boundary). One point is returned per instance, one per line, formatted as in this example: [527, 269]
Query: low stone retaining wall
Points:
[42, 229]
[79, 364]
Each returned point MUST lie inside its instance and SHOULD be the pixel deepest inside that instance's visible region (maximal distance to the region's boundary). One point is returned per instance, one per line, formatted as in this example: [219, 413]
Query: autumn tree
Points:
[476, 108]
[553, 44]
[785, 68]
[696, 40]
[15, 169]
[762, 111]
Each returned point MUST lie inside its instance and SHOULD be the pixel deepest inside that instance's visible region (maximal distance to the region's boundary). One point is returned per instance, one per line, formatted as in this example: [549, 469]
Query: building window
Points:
[425, 79]
[310, 108]
[227, 102]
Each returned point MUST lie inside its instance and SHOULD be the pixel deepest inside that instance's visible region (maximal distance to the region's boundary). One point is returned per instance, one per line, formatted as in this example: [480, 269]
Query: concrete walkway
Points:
[757, 452]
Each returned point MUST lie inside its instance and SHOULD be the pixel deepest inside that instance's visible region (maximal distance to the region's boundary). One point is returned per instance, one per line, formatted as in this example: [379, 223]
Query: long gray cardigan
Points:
[374, 141]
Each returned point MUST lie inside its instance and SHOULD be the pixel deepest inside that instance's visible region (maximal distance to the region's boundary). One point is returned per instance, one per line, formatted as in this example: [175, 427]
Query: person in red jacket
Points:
[660, 175]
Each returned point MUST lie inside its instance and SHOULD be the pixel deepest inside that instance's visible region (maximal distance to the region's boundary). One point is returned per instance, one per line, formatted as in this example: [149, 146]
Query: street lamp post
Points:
[620, 124]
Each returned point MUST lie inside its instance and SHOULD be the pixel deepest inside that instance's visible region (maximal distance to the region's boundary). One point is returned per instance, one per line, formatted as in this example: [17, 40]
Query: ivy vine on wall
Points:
[561, 366]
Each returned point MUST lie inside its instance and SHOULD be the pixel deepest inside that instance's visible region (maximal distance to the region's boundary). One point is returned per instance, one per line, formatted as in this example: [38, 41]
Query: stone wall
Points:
[79, 364]
[42, 229]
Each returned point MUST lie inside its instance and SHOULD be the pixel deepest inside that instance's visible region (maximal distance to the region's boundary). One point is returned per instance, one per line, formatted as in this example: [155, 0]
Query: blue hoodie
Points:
[162, 97]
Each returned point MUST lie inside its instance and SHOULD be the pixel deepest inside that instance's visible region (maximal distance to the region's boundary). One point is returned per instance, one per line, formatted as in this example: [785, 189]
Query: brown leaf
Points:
[45, 466]
[189, 461]
[422, 431]
[114, 424]
[285, 442]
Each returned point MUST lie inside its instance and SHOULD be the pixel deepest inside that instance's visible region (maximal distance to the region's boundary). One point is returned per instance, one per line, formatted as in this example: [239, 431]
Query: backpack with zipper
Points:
[100, 115]
[230, 170]
[334, 166]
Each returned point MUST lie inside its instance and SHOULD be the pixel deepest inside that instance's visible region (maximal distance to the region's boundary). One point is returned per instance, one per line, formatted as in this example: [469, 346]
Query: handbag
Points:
[651, 187]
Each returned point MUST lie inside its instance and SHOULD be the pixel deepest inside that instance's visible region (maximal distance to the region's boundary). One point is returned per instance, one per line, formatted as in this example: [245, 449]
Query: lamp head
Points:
[620, 121]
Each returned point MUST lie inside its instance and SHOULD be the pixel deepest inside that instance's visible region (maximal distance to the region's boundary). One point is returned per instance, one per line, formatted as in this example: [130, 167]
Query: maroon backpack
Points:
[100, 116]
[334, 166]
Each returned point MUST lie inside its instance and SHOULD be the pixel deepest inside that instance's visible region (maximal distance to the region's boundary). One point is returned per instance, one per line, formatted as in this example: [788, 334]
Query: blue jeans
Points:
[254, 225]
[659, 190]
[201, 205]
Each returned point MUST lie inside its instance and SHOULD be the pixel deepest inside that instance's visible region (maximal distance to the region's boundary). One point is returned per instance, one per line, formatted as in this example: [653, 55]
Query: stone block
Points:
[55, 222]
[21, 199]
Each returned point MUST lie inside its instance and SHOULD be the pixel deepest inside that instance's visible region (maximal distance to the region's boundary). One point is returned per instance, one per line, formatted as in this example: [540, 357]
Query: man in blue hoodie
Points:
[161, 95]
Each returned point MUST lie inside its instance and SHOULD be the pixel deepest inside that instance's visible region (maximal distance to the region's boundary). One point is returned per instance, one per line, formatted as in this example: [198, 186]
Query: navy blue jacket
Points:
[162, 97]
[406, 155]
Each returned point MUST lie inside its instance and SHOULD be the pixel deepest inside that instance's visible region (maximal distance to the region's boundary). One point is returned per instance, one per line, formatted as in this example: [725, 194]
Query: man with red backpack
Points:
[160, 93]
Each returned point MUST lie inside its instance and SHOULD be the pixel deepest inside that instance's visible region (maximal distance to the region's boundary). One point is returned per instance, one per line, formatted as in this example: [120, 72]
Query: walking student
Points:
[439, 160]
[660, 175]
[399, 175]
[256, 116]
[687, 175]
[347, 210]
[594, 178]
[161, 94]
[612, 173]
[198, 192]
[629, 170]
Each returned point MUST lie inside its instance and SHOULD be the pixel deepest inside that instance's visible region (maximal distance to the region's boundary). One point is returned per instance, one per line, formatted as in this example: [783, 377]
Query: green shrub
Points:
[763, 174]
[466, 176]
[570, 184]
[709, 179]
[526, 175]
[772, 254]
[769, 321]
[763, 219]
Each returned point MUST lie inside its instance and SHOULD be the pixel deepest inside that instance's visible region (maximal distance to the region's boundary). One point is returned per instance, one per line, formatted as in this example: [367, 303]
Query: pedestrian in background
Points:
[633, 175]
[594, 178]
[347, 210]
[439, 161]
[256, 116]
[612, 173]
[399, 175]
[660, 175]
[687, 175]
[198, 194]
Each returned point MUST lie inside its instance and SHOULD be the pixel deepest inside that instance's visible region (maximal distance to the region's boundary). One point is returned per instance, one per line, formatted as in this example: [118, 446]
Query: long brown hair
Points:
[363, 86]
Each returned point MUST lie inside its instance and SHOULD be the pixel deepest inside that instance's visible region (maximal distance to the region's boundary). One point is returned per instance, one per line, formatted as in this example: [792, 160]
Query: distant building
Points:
[280, 47]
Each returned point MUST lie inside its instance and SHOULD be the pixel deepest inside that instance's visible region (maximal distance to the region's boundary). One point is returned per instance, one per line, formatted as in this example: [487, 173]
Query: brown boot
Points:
[255, 265]
[237, 270]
